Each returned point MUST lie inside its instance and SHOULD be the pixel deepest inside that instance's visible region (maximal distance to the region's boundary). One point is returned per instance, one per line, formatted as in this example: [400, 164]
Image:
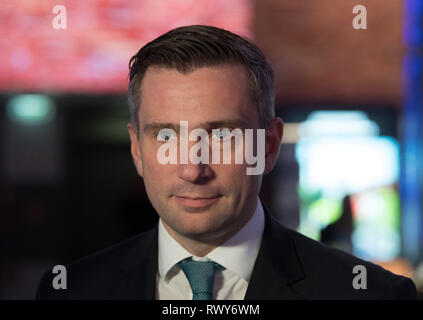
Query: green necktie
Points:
[200, 275]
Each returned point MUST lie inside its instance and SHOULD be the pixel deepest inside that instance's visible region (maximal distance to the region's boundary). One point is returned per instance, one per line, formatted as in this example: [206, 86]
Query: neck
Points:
[196, 247]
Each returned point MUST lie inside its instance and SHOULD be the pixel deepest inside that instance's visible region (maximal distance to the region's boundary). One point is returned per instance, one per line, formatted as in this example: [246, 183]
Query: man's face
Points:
[204, 202]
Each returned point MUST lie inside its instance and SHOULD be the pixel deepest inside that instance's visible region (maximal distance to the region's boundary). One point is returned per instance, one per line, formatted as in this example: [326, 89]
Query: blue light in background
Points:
[340, 153]
[412, 134]
[413, 23]
[31, 109]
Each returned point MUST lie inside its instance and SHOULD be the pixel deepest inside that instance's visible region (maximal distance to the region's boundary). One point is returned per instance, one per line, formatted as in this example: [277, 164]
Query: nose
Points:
[195, 173]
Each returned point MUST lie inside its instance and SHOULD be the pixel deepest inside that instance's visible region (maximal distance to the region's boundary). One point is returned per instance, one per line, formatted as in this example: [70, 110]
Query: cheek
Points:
[236, 179]
[153, 170]
[156, 174]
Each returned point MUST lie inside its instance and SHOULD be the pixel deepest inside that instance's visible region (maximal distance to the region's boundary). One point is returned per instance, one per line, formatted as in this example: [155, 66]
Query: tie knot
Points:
[200, 275]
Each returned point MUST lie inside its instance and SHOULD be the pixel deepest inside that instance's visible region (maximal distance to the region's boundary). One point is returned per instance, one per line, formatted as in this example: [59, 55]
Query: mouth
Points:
[196, 202]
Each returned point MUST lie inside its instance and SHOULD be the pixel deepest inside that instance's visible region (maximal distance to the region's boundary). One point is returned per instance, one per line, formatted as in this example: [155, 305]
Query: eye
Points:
[166, 135]
[221, 134]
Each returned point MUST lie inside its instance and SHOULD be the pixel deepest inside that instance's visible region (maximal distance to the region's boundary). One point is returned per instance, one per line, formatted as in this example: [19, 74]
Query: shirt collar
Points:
[170, 251]
[238, 254]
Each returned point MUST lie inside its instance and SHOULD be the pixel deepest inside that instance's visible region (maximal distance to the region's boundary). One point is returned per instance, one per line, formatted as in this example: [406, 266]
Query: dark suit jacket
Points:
[288, 266]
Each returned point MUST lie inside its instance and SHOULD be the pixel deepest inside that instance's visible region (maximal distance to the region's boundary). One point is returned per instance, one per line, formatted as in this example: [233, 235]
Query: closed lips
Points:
[195, 201]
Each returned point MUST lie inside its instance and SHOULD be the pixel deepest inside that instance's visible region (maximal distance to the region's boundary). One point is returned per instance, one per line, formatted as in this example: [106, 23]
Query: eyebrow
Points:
[227, 123]
[157, 126]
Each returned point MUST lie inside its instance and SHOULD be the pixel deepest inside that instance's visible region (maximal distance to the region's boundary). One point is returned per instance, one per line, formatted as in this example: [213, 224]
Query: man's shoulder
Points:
[341, 275]
[94, 274]
[310, 250]
[114, 255]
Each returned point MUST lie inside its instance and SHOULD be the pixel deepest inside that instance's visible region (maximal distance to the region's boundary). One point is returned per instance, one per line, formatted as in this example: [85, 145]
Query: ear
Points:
[274, 133]
[135, 149]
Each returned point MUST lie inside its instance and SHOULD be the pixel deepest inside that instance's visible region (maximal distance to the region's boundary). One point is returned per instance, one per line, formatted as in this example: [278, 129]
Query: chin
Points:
[198, 225]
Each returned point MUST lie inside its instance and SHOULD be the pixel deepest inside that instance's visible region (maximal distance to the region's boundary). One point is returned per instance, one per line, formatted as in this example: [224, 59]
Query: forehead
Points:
[205, 94]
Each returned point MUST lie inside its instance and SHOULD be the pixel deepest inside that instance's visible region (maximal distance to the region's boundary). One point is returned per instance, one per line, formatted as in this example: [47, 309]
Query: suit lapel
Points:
[138, 269]
[277, 266]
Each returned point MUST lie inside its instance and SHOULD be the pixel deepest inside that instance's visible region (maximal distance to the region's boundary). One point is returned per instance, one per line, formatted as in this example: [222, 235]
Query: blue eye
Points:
[166, 135]
[221, 134]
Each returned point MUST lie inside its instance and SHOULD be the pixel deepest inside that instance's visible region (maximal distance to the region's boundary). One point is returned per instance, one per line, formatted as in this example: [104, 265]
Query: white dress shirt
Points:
[237, 256]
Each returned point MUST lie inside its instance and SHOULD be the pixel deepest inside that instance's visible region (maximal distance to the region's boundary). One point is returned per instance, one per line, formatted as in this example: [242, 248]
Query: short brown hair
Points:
[190, 47]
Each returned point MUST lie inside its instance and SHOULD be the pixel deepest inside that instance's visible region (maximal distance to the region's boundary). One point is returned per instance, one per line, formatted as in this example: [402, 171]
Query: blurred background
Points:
[350, 171]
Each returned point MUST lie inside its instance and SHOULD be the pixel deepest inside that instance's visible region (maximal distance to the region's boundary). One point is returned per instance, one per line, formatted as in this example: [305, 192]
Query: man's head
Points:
[213, 79]
[188, 48]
